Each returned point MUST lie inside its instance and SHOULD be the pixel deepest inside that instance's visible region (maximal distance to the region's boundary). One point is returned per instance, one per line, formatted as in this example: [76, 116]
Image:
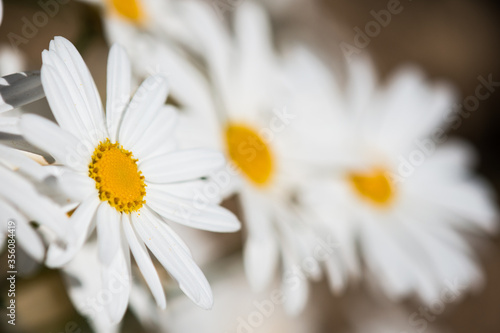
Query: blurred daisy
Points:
[246, 115]
[124, 168]
[129, 21]
[22, 201]
[389, 185]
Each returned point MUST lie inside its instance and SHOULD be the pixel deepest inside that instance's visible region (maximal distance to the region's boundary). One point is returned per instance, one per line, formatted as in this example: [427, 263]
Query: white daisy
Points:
[22, 201]
[246, 115]
[124, 168]
[394, 193]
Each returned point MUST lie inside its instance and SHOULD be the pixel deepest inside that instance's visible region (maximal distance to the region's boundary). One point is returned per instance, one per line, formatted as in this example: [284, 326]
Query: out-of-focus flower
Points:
[242, 109]
[125, 170]
[137, 21]
[22, 200]
[389, 185]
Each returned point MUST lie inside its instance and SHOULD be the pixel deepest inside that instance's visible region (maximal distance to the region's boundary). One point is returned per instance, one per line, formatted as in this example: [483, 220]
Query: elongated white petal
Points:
[141, 111]
[60, 102]
[175, 260]
[145, 264]
[182, 165]
[28, 238]
[295, 287]
[10, 125]
[17, 160]
[192, 213]
[118, 88]
[78, 84]
[79, 223]
[253, 34]
[108, 232]
[159, 139]
[215, 44]
[84, 285]
[24, 196]
[63, 146]
[77, 186]
[116, 279]
[261, 252]
[260, 257]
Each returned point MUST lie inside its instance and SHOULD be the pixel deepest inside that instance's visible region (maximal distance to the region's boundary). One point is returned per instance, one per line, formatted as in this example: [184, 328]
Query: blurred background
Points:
[455, 40]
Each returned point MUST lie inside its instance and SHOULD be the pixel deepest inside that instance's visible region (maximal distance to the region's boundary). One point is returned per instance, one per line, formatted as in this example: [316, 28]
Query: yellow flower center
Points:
[250, 153]
[117, 177]
[374, 187]
[129, 9]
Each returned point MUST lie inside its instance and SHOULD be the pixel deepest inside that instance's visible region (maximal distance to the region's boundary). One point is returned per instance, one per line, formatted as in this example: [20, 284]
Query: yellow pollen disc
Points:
[374, 187]
[117, 177]
[129, 9]
[250, 153]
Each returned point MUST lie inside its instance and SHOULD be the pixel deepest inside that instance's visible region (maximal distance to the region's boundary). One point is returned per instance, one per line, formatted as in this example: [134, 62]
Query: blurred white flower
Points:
[242, 108]
[22, 200]
[125, 170]
[130, 22]
[388, 186]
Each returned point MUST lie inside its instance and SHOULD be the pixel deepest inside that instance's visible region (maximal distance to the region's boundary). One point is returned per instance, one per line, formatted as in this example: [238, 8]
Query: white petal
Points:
[261, 250]
[62, 145]
[77, 186]
[108, 232]
[361, 85]
[260, 258]
[142, 109]
[181, 165]
[10, 125]
[116, 278]
[118, 88]
[295, 288]
[253, 34]
[18, 160]
[24, 196]
[77, 234]
[144, 262]
[191, 212]
[215, 44]
[28, 238]
[175, 260]
[159, 139]
[76, 82]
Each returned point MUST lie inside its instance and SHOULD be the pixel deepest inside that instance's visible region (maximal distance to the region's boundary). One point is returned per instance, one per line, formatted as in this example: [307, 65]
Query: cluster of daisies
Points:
[337, 175]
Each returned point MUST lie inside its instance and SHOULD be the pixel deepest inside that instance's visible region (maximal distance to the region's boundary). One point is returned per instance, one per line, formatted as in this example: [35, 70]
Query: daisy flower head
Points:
[23, 200]
[396, 192]
[125, 170]
[247, 115]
